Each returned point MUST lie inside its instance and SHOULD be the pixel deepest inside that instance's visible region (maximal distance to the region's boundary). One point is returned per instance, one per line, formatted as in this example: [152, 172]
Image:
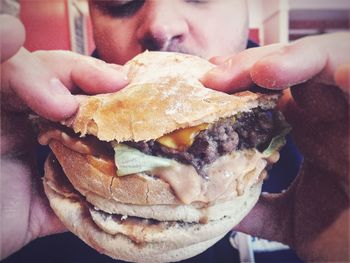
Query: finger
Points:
[234, 73]
[96, 78]
[38, 87]
[217, 60]
[87, 74]
[289, 66]
[12, 35]
[342, 77]
[310, 57]
[269, 219]
[324, 109]
[43, 220]
[320, 102]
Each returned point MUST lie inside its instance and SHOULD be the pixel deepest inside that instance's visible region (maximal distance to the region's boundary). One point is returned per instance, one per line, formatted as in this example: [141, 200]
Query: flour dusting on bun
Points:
[164, 168]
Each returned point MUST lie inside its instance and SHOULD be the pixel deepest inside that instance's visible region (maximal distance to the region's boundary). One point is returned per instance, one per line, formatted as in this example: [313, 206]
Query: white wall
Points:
[274, 17]
[255, 18]
[271, 17]
[319, 4]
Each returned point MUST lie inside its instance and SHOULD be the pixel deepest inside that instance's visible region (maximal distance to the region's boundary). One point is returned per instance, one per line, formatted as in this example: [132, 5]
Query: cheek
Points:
[115, 43]
[215, 41]
[223, 33]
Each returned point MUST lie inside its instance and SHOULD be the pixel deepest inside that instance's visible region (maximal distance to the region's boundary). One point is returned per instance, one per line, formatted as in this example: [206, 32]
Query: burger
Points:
[164, 168]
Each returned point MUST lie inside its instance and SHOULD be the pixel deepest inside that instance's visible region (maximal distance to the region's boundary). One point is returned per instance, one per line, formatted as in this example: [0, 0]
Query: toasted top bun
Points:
[164, 94]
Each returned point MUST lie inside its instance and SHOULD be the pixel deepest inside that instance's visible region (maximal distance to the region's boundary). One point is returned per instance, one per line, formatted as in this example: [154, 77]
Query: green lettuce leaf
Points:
[278, 141]
[130, 160]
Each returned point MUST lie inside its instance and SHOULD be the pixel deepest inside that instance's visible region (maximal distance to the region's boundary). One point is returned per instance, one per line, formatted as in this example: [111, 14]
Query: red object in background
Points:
[46, 23]
[254, 35]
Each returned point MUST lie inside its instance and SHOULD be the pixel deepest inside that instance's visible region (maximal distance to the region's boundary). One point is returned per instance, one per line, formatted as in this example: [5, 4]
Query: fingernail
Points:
[62, 103]
[223, 67]
[215, 72]
[217, 60]
[120, 69]
[115, 66]
[211, 76]
[113, 70]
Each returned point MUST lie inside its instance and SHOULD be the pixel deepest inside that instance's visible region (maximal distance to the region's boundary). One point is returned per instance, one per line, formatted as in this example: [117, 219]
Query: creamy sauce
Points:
[76, 144]
[135, 228]
[184, 180]
[228, 176]
[93, 153]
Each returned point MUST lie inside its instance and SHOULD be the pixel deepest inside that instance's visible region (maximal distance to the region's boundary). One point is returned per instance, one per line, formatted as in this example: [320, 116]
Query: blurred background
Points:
[65, 24]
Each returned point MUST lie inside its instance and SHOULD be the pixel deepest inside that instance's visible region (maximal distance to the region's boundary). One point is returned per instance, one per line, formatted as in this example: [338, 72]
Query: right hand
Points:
[312, 215]
[42, 82]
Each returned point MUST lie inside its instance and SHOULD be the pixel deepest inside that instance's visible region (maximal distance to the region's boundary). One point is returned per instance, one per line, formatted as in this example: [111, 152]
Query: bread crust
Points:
[196, 212]
[164, 95]
[147, 189]
[172, 244]
[132, 189]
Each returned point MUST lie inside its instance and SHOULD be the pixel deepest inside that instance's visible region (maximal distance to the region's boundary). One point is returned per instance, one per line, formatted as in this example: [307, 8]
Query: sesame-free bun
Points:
[126, 240]
[164, 94]
[109, 192]
[147, 217]
[132, 189]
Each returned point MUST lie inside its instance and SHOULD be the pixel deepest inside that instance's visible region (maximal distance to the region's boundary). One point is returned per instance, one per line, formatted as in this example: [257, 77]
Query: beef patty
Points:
[246, 130]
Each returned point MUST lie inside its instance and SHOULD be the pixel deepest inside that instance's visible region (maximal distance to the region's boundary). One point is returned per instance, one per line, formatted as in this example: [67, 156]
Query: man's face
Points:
[207, 28]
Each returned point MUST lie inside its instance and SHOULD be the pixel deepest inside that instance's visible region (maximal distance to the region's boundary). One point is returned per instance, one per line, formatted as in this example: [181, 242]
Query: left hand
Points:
[312, 216]
[41, 82]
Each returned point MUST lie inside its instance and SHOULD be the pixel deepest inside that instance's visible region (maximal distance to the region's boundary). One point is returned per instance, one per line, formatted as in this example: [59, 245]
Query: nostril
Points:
[153, 43]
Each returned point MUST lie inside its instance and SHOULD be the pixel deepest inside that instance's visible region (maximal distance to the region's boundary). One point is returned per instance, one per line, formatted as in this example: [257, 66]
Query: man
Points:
[312, 216]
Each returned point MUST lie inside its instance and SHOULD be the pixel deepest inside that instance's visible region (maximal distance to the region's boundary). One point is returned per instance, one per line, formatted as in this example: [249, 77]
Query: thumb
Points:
[303, 60]
[83, 73]
[269, 219]
[232, 74]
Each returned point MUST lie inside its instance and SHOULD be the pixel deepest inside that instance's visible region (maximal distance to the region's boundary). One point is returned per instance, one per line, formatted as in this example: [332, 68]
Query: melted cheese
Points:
[228, 176]
[181, 139]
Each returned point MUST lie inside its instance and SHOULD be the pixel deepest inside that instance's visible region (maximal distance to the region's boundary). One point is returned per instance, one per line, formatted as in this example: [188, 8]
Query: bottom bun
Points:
[101, 231]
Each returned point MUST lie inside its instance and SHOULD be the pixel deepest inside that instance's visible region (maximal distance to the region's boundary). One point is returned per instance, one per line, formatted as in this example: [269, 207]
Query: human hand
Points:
[312, 216]
[41, 82]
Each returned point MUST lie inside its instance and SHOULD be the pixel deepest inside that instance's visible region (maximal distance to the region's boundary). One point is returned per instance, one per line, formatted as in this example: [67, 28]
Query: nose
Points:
[163, 26]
